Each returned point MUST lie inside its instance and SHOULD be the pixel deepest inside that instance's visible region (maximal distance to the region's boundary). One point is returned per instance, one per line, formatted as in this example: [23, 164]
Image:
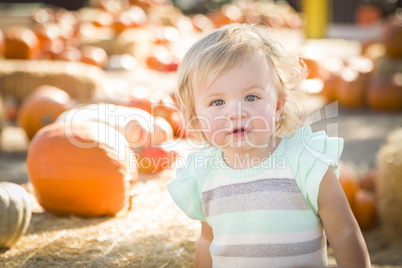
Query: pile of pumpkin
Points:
[83, 159]
[376, 197]
[143, 29]
[57, 34]
[372, 79]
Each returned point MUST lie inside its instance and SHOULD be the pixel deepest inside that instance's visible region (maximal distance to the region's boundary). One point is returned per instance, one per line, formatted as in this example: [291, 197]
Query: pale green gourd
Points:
[15, 213]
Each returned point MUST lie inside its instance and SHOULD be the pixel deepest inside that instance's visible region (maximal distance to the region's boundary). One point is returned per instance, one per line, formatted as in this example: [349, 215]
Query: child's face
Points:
[237, 111]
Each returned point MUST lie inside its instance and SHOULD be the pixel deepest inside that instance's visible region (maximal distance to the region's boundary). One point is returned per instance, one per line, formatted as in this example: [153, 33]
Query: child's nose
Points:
[236, 110]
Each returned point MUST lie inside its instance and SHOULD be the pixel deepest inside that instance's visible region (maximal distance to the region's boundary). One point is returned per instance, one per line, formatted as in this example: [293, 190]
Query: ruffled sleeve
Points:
[186, 188]
[309, 155]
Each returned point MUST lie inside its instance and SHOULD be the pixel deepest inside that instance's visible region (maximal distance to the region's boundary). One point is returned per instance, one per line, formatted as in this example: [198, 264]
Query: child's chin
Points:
[240, 145]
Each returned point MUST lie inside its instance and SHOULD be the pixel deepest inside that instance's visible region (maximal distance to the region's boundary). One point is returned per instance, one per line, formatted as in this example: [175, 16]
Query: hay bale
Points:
[389, 186]
[19, 78]
[153, 233]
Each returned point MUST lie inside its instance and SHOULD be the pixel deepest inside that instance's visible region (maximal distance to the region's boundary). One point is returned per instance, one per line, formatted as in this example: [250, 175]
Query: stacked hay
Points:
[389, 186]
[19, 78]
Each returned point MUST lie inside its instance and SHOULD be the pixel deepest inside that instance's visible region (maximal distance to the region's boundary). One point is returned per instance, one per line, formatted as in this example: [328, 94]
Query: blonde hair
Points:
[232, 44]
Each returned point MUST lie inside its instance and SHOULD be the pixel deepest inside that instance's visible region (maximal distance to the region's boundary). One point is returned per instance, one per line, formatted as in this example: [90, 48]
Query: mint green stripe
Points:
[259, 221]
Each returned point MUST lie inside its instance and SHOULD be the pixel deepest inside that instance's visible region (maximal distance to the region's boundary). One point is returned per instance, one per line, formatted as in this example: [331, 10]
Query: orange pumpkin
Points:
[42, 15]
[94, 55]
[41, 108]
[333, 67]
[102, 18]
[367, 14]
[81, 169]
[163, 131]
[129, 18]
[227, 14]
[141, 97]
[162, 59]
[2, 43]
[48, 35]
[315, 70]
[351, 89]
[364, 209]
[330, 87]
[155, 159]
[385, 93]
[69, 54]
[21, 43]
[348, 183]
[171, 112]
[392, 37]
[202, 23]
[136, 125]
[368, 180]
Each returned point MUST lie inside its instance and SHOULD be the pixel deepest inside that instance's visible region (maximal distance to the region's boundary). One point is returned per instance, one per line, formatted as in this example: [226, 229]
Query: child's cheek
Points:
[214, 128]
[262, 119]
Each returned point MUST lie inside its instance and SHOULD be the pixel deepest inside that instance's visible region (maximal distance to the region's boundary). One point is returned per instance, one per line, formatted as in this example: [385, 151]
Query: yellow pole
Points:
[317, 16]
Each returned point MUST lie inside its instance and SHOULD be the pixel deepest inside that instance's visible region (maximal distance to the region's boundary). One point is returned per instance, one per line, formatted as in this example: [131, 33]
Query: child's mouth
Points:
[239, 132]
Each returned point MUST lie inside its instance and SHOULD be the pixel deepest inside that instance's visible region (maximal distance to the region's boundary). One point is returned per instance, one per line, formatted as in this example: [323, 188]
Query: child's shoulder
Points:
[317, 144]
[309, 155]
[196, 163]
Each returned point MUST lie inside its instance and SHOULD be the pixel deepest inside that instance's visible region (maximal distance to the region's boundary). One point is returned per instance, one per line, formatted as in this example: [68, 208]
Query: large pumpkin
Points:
[42, 107]
[15, 213]
[80, 168]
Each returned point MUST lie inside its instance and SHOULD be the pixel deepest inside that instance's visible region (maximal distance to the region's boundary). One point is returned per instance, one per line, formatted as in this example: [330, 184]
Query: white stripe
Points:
[244, 239]
[222, 180]
[318, 258]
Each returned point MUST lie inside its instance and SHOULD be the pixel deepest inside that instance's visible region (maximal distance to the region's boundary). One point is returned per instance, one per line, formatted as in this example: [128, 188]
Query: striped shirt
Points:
[265, 216]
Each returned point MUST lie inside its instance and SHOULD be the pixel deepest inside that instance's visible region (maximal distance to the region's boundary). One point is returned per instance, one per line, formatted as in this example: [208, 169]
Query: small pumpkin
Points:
[367, 14]
[334, 67]
[94, 55]
[21, 43]
[364, 209]
[42, 107]
[129, 18]
[385, 93]
[80, 168]
[170, 111]
[48, 34]
[227, 14]
[2, 44]
[351, 89]
[135, 124]
[155, 159]
[392, 37]
[368, 180]
[348, 183]
[355, 79]
[15, 213]
[202, 23]
[315, 68]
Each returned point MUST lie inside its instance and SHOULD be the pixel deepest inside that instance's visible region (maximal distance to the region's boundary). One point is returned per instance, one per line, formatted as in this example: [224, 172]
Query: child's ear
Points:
[279, 105]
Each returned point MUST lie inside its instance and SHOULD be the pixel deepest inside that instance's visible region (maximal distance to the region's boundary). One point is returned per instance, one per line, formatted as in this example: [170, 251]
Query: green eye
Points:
[251, 98]
[217, 103]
